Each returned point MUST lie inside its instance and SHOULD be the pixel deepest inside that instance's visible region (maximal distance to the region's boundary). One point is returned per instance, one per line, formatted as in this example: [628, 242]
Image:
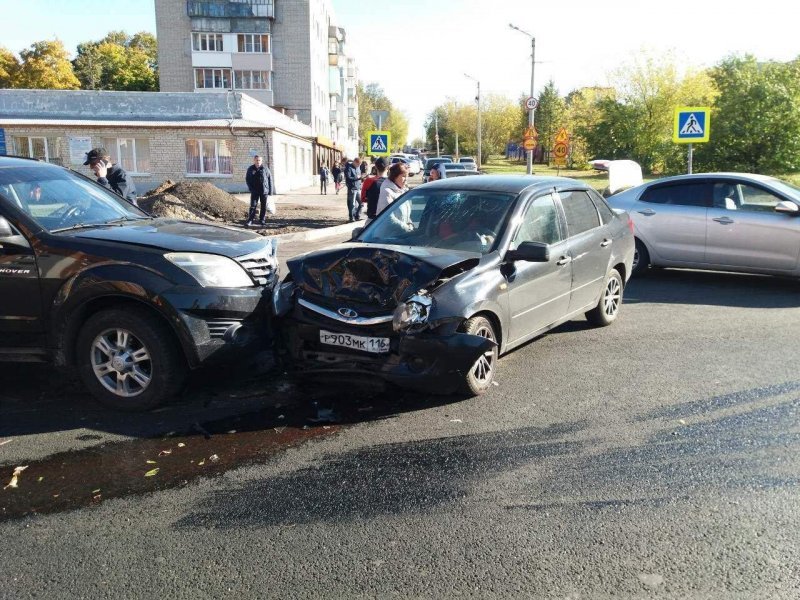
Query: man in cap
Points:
[110, 175]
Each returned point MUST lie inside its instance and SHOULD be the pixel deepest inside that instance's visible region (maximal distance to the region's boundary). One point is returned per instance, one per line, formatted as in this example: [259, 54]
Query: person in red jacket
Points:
[373, 182]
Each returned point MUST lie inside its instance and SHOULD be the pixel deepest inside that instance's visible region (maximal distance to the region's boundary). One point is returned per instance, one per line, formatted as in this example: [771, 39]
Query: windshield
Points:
[465, 220]
[58, 199]
[785, 187]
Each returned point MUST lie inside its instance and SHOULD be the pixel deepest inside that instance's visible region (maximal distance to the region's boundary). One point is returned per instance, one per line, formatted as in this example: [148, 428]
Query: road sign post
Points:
[692, 124]
[561, 148]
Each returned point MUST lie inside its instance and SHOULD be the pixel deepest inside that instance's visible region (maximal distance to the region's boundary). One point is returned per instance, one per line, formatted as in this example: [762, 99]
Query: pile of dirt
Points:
[193, 200]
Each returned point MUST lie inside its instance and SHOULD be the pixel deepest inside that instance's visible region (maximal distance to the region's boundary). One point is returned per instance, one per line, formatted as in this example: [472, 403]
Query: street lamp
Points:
[478, 99]
[531, 111]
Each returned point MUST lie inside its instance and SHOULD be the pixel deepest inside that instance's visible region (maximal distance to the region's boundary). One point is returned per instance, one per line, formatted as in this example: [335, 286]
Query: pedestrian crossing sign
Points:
[692, 124]
[378, 143]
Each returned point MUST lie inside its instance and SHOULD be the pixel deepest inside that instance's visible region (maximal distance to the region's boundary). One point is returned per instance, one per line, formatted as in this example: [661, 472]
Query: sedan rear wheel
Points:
[608, 307]
[641, 259]
[480, 376]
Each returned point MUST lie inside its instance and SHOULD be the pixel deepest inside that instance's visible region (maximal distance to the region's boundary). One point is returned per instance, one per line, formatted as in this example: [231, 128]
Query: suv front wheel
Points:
[129, 359]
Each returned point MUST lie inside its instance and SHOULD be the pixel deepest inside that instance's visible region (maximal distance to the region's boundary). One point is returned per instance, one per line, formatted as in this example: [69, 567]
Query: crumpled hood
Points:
[179, 236]
[378, 276]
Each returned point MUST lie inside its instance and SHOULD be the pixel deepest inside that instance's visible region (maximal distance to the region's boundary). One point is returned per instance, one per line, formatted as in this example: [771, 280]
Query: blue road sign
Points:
[378, 143]
[692, 124]
[3, 150]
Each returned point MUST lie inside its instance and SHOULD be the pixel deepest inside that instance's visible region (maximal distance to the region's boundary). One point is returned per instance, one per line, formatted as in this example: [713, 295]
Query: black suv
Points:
[89, 281]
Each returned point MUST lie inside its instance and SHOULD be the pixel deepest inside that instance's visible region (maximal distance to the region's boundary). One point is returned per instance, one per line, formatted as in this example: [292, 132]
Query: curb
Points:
[316, 234]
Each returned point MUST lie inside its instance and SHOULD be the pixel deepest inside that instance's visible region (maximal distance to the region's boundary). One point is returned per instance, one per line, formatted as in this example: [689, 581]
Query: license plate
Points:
[375, 345]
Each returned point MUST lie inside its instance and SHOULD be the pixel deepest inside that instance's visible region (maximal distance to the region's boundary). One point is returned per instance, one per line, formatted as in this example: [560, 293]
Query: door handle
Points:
[724, 220]
[605, 242]
[647, 213]
[564, 260]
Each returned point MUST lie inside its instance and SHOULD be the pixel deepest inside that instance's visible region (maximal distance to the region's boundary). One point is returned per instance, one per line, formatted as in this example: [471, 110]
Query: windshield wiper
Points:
[77, 226]
[126, 219]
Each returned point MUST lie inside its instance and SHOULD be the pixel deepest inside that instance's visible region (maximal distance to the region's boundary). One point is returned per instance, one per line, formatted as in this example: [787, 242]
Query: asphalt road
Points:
[654, 458]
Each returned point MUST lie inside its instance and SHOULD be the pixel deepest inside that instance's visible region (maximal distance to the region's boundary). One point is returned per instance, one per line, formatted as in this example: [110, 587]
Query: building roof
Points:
[143, 109]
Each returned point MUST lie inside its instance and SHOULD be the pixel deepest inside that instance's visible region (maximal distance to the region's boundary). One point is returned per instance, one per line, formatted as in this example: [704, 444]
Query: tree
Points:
[372, 97]
[582, 115]
[9, 68]
[637, 124]
[755, 124]
[550, 115]
[500, 118]
[118, 62]
[45, 65]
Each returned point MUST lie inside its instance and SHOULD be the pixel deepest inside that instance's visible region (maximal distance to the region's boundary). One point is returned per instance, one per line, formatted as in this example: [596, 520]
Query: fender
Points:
[111, 280]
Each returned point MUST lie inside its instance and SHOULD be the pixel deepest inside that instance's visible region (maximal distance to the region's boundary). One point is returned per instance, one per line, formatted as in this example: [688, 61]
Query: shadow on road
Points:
[711, 288]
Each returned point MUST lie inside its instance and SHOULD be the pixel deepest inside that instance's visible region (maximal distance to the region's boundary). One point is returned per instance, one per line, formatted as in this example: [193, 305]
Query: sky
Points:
[419, 50]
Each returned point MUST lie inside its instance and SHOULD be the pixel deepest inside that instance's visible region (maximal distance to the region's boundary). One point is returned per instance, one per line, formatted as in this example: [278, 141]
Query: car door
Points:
[20, 300]
[588, 247]
[744, 231]
[538, 292]
[671, 219]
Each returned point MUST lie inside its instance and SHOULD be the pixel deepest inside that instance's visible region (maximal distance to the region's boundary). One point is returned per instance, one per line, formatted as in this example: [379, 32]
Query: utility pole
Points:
[436, 124]
[531, 111]
[478, 99]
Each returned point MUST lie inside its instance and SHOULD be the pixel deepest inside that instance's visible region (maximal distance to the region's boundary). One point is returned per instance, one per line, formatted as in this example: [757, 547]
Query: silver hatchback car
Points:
[717, 221]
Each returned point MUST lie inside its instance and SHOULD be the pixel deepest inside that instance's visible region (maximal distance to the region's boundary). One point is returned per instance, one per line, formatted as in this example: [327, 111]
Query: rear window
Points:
[606, 214]
[580, 212]
[681, 194]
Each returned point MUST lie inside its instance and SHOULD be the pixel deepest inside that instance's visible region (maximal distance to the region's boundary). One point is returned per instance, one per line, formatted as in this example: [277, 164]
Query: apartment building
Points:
[287, 54]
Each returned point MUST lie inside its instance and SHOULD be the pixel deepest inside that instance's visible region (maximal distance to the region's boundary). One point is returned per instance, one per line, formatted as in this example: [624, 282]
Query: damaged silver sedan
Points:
[452, 275]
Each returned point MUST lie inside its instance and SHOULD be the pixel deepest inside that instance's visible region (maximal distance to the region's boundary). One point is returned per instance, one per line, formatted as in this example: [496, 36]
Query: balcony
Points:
[231, 8]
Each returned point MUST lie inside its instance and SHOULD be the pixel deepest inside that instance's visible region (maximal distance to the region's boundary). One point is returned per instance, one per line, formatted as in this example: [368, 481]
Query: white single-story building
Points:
[157, 136]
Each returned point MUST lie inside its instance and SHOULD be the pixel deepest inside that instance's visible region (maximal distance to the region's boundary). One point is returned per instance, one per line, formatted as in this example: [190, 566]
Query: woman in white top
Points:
[393, 188]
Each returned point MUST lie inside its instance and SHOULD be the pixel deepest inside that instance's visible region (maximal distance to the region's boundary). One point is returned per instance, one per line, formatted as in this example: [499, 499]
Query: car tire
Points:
[480, 376]
[129, 359]
[641, 259]
[607, 309]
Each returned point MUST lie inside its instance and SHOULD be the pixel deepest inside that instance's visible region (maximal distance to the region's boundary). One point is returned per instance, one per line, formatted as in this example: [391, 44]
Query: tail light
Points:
[630, 224]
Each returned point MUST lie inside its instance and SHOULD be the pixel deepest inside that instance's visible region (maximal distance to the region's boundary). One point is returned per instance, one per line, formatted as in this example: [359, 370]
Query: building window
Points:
[253, 42]
[212, 79]
[252, 80]
[132, 154]
[207, 42]
[32, 147]
[208, 157]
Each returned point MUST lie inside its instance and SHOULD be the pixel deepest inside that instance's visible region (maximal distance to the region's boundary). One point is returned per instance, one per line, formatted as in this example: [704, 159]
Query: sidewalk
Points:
[304, 213]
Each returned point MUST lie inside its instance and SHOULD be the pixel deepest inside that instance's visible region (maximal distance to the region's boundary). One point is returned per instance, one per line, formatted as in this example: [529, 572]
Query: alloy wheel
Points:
[483, 369]
[612, 297]
[121, 362]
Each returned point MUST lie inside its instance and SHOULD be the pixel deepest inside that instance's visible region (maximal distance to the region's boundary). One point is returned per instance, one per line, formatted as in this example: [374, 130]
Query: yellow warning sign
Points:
[562, 137]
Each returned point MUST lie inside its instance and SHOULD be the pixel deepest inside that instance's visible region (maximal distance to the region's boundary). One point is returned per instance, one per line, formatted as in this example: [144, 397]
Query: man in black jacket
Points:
[259, 182]
[352, 177]
[109, 175]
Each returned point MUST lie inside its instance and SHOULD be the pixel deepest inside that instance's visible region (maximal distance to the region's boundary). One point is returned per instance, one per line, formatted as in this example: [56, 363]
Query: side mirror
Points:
[789, 208]
[5, 228]
[356, 232]
[530, 252]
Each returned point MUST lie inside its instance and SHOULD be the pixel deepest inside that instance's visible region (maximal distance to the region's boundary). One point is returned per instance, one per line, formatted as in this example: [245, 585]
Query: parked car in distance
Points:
[450, 167]
[452, 275]
[469, 162]
[461, 173]
[413, 164]
[717, 221]
[429, 163]
[131, 302]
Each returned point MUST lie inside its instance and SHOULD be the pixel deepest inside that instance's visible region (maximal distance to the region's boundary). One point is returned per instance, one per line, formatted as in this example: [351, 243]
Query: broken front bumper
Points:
[427, 361]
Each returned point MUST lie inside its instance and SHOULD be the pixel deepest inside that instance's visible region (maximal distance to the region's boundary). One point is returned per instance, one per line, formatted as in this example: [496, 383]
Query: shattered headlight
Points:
[412, 314]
